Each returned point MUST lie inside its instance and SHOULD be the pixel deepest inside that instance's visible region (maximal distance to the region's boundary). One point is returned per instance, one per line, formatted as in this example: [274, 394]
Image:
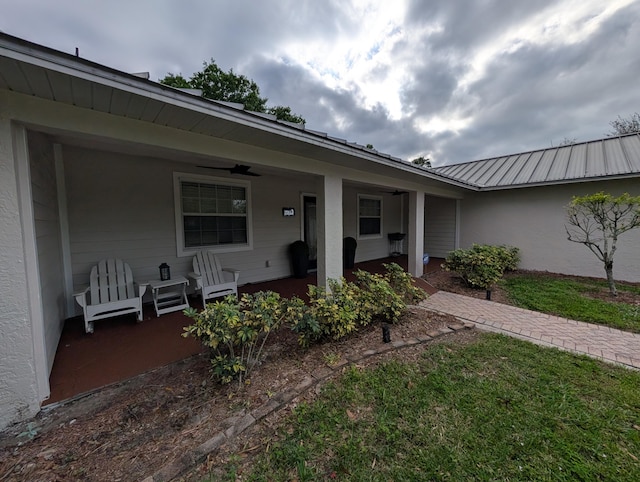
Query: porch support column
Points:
[416, 233]
[329, 213]
[23, 375]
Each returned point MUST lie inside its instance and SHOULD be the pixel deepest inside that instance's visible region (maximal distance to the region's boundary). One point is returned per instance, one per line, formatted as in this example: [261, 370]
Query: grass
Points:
[493, 409]
[570, 298]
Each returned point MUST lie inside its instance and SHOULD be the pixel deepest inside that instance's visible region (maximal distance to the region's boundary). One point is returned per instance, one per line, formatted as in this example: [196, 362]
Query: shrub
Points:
[482, 265]
[338, 313]
[236, 331]
[378, 300]
[402, 283]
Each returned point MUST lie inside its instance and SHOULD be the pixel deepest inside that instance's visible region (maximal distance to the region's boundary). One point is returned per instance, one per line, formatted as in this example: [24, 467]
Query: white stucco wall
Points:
[534, 220]
[18, 383]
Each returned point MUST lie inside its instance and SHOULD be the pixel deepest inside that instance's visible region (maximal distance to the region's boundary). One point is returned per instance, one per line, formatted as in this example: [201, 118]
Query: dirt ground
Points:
[130, 430]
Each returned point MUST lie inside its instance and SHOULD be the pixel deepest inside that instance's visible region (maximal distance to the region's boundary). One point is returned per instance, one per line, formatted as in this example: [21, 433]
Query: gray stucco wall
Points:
[533, 219]
[18, 385]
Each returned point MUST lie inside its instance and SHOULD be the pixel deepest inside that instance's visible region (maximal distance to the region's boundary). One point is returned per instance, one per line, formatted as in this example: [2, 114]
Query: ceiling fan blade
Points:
[396, 192]
[247, 173]
[218, 168]
[237, 169]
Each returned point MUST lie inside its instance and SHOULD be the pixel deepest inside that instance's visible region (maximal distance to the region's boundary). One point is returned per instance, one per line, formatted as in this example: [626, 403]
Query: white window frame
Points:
[375, 198]
[178, 179]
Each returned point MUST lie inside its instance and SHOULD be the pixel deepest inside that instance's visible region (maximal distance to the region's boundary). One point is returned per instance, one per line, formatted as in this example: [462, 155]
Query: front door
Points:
[310, 232]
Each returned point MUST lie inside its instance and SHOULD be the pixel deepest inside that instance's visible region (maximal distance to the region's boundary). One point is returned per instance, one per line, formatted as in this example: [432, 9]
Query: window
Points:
[369, 216]
[211, 213]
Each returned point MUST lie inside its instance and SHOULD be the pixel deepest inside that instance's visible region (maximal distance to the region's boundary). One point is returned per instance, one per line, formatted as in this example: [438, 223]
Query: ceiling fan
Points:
[396, 192]
[237, 169]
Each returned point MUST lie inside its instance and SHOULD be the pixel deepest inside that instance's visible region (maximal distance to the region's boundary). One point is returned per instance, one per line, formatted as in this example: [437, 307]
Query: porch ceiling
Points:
[51, 75]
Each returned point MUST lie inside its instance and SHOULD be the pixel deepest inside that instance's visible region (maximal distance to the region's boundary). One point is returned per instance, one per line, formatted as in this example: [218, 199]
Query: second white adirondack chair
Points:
[212, 280]
[111, 292]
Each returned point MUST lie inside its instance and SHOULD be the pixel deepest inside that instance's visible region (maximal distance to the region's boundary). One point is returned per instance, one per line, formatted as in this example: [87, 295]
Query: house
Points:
[98, 163]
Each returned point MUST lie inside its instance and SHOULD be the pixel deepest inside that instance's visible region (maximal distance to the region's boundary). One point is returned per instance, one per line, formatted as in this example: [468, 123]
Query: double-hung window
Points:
[212, 213]
[369, 216]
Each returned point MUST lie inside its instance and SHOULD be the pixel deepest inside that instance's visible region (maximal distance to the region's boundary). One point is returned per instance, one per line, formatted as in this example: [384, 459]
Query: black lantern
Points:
[165, 272]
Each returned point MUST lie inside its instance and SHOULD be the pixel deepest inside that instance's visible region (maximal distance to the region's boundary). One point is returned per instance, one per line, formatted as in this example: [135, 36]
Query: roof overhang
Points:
[48, 74]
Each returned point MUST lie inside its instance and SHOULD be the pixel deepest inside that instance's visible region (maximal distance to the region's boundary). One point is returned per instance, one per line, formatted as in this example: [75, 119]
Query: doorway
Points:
[310, 228]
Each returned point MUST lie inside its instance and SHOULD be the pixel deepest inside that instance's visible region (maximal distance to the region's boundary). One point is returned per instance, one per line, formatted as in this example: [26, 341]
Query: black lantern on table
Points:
[165, 272]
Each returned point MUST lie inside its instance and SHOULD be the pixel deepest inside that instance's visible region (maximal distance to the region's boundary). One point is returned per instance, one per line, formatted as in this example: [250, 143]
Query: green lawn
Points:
[494, 409]
[570, 298]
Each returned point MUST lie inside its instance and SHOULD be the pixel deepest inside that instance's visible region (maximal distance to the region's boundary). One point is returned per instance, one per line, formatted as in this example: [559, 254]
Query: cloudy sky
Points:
[452, 80]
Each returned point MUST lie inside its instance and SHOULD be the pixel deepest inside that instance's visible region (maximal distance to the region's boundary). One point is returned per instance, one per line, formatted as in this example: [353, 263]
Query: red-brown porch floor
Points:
[120, 348]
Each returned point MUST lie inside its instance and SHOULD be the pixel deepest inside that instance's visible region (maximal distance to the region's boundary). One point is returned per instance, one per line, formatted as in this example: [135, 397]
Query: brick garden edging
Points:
[239, 423]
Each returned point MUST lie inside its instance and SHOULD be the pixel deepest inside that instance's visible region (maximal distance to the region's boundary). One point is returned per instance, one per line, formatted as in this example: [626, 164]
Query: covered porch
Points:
[106, 165]
[120, 348]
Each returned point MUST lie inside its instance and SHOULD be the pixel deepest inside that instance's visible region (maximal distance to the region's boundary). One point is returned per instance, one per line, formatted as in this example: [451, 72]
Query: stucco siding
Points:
[439, 226]
[534, 220]
[47, 228]
[18, 384]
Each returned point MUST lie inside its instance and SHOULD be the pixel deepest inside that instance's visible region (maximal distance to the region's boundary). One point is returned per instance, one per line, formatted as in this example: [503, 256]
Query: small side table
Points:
[169, 295]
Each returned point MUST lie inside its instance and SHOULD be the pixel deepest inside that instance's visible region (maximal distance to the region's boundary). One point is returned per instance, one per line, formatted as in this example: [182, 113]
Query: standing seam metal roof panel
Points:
[576, 167]
[527, 165]
[507, 166]
[612, 156]
[491, 169]
[558, 168]
[615, 157]
[631, 146]
[596, 160]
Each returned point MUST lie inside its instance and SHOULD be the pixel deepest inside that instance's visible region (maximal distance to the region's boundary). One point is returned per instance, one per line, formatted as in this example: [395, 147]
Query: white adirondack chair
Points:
[212, 280]
[111, 292]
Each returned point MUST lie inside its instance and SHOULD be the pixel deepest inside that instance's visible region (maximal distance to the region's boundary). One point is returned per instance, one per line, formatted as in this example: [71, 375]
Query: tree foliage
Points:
[597, 220]
[284, 113]
[567, 142]
[625, 125]
[422, 161]
[216, 84]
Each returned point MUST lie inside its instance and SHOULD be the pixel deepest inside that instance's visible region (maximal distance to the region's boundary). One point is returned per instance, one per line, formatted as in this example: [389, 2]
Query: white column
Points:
[416, 233]
[329, 213]
[21, 369]
[64, 231]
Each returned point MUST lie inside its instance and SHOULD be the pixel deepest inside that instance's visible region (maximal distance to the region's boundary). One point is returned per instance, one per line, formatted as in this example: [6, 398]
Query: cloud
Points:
[454, 81]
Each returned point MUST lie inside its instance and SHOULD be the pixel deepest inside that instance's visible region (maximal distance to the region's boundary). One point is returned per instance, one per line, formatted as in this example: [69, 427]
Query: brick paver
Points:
[597, 341]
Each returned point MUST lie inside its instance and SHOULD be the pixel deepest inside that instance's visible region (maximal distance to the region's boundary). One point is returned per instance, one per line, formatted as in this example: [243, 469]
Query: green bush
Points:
[482, 265]
[236, 331]
[378, 300]
[402, 283]
[338, 313]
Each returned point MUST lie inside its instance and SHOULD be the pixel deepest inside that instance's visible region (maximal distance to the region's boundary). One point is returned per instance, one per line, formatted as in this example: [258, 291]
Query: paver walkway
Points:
[598, 341]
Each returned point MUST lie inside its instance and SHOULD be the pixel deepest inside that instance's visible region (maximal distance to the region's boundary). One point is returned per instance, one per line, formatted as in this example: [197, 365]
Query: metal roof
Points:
[612, 157]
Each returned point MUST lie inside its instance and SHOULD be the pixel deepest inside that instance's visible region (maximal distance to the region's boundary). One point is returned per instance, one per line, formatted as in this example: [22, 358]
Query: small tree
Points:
[597, 220]
[625, 125]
